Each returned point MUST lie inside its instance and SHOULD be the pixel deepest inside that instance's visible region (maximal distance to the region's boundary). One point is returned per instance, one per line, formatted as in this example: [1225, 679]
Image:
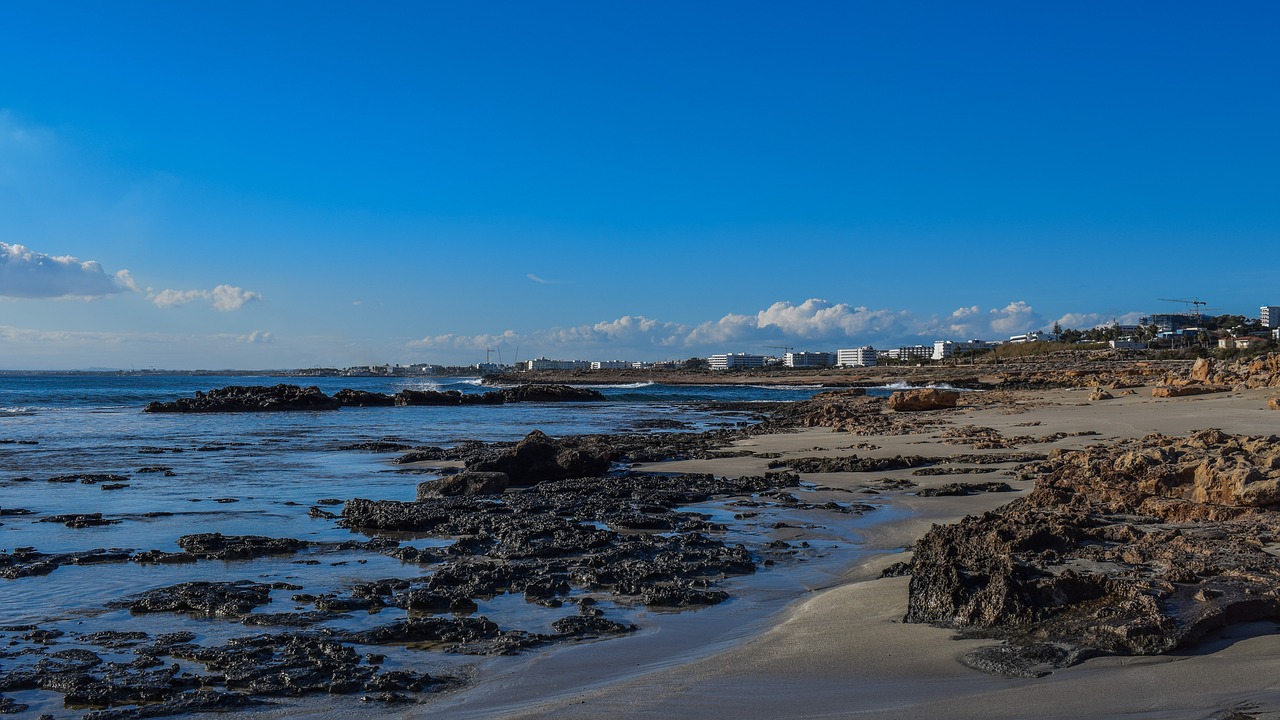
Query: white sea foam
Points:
[903, 385]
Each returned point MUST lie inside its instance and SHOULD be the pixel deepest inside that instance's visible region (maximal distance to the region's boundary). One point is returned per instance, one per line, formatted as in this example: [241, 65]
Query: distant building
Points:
[1169, 322]
[856, 357]
[1243, 342]
[808, 359]
[488, 368]
[727, 361]
[612, 365]
[946, 348]
[545, 364]
[1033, 336]
[1269, 315]
[907, 352]
[1127, 345]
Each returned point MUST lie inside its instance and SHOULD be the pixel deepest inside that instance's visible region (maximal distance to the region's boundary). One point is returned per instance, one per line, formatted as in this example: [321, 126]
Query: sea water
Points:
[259, 473]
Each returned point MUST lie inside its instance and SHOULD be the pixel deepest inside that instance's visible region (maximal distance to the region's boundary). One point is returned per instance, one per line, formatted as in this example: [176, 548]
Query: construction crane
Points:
[784, 348]
[1195, 307]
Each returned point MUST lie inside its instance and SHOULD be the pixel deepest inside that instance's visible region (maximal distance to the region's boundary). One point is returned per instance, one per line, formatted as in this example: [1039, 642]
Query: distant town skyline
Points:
[323, 185]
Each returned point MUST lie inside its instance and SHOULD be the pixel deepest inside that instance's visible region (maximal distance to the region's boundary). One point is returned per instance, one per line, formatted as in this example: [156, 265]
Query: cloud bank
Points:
[814, 324]
[25, 273]
[223, 298]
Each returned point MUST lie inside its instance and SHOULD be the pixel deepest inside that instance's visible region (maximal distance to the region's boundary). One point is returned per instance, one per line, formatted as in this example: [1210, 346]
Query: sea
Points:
[260, 473]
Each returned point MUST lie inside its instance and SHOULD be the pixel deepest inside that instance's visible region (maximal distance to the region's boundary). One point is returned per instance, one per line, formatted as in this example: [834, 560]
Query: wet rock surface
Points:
[285, 397]
[539, 458]
[249, 398]
[1138, 548]
[580, 547]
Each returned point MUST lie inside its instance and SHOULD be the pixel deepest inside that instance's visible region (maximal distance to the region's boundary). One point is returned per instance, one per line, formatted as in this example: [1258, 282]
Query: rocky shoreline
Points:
[1137, 546]
[557, 521]
[294, 398]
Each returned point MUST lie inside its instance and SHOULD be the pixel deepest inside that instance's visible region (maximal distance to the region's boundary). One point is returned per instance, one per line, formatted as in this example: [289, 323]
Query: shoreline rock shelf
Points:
[1138, 548]
[294, 398]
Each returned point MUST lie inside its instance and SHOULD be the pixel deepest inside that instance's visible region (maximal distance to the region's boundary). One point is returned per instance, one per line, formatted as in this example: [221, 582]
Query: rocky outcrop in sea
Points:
[284, 397]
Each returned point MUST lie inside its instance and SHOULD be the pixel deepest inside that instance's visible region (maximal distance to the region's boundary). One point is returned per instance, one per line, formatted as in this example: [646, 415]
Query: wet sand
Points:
[842, 651]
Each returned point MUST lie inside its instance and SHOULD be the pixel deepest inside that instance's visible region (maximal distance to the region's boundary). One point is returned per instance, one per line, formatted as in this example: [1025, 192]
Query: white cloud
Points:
[1088, 321]
[25, 273]
[813, 319]
[257, 337]
[813, 324]
[1015, 318]
[228, 297]
[223, 298]
[537, 279]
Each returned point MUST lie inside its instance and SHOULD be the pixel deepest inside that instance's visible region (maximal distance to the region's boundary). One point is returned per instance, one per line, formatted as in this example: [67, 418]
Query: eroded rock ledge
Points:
[1133, 549]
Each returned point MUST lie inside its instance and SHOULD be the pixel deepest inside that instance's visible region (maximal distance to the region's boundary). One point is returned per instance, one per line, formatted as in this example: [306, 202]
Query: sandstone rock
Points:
[923, 399]
[1202, 370]
[464, 483]
[1100, 394]
[1173, 391]
[1274, 403]
[1137, 548]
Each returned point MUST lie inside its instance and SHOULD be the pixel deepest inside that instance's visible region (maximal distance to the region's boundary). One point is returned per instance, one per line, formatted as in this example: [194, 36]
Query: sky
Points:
[260, 185]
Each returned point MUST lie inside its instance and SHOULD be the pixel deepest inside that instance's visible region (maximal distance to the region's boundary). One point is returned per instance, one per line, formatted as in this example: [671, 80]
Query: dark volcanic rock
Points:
[89, 478]
[464, 483]
[216, 546]
[853, 463]
[1137, 548]
[80, 520]
[550, 393]
[363, 398]
[188, 702]
[964, 489]
[241, 398]
[226, 599]
[446, 398]
[539, 458]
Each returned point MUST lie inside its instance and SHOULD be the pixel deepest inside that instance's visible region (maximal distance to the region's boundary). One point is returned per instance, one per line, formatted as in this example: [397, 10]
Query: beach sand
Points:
[842, 651]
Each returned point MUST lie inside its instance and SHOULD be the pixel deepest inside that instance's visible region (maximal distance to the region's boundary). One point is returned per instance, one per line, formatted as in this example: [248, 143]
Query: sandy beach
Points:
[843, 651]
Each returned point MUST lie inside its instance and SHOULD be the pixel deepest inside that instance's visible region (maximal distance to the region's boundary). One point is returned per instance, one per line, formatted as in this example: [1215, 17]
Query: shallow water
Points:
[258, 474]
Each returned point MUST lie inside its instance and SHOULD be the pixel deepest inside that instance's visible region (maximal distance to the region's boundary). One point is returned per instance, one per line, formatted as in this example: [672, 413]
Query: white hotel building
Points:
[808, 359]
[545, 364]
[946, 348]
[1270, 316]
[856, 357]
[726, 361]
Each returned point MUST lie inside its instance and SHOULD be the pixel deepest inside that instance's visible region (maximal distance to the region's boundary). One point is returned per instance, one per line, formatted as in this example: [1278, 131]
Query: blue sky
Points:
[260, 185]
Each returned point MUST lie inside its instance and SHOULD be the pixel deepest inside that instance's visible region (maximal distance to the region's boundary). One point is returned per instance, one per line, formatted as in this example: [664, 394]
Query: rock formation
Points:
[464, 483]
[540, 458]
[923, 399]
[1137, 548]
[240, 398]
